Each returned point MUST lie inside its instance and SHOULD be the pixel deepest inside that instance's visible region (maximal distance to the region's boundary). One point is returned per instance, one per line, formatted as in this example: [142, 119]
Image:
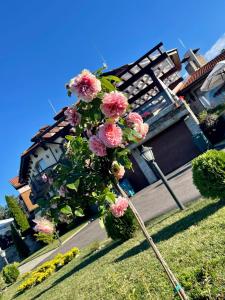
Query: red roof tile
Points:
[203, 71]
[15, 182]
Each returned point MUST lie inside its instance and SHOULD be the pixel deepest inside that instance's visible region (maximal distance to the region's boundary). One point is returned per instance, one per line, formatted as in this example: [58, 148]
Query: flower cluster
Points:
[44, 225]
[72, 116]
[118, 170]
[119, 208]
[103, 110]
[86, 86]
[135, 121]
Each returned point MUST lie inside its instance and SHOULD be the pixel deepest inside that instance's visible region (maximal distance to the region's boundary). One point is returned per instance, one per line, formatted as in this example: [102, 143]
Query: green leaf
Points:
[70, 137]
[43, 203]
[113, 78]
[66, 210]
[79, 212]
[74, 186]
[107, 84]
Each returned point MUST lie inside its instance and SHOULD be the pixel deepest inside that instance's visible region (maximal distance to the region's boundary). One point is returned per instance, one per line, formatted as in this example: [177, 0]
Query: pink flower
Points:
[114, 104]
[142, 130]
[119, 207]
[62, 191]
[118, 170]
[44, 225]
[86, 86]
[133, 118]
[110, 134]
[44, 177]
[146, 114]
[97, 146]
[72, 116]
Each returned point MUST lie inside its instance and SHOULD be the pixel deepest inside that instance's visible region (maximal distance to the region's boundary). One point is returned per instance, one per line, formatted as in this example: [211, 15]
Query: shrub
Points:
[44, 237]
[47, 268]
[17, 213]
[209, 173]
[21, 246]
[10, 273]
[122, 228]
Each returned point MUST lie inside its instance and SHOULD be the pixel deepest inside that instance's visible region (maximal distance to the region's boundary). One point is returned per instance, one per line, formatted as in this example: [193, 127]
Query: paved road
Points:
[150, 202]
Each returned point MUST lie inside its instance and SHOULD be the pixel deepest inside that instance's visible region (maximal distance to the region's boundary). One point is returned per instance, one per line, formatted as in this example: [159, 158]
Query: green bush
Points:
[17, 213]
[209, 174]
[46, 269]
[10, 273]
[122, 228]
[44, 237]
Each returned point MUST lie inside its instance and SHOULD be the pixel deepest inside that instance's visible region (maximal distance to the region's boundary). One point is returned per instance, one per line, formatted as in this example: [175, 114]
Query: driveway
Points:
[150, 203]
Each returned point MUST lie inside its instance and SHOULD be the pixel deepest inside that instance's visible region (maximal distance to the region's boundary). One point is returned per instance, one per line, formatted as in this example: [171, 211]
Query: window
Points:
[41, 165]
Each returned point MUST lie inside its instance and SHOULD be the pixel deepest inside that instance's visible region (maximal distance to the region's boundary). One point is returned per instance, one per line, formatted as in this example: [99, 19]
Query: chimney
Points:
[193, 60]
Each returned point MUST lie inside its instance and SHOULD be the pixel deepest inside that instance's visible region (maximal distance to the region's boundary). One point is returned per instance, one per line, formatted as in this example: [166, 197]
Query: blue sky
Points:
[45, 43]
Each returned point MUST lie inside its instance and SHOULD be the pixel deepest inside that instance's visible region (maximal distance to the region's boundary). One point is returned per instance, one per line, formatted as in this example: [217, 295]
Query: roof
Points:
[44, 135]
[15, 182]
[26, 199]
[201, 73]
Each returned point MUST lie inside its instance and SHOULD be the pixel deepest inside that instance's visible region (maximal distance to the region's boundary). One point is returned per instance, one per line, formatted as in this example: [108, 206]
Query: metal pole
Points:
[177, 287]
[57, 235]
[6, 261]
[165, 181]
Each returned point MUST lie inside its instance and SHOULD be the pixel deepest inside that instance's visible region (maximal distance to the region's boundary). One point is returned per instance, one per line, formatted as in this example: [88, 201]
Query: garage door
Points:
[173, 147]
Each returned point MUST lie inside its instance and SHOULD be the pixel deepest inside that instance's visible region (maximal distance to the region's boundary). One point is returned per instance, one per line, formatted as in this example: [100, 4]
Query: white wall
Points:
[46, 155]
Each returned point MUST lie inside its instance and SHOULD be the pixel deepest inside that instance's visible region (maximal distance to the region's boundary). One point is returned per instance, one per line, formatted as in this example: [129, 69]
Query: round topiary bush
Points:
[209, 174]
[10, 273]
[122, 228]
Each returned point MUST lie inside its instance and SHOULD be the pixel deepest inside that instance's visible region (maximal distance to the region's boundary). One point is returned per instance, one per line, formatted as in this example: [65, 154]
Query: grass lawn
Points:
[192, 241]
[52, 246]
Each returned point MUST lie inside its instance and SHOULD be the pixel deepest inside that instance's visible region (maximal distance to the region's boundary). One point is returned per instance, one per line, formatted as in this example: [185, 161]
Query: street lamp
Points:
[3, 255]
[148, 155]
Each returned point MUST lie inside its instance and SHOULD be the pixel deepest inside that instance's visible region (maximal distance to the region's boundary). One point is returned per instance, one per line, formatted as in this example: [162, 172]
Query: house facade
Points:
[198, 69]
[149, 83]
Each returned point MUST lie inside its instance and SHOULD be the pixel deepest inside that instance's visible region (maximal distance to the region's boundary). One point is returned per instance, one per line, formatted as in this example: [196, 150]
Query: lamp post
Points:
[3, 255]
[148, 155]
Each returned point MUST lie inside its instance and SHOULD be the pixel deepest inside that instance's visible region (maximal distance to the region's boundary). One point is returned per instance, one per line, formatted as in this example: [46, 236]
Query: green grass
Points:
[192, 242]
[52, 246]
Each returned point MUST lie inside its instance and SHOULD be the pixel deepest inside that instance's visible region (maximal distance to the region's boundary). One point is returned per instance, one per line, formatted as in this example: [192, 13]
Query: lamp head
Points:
[147, 154]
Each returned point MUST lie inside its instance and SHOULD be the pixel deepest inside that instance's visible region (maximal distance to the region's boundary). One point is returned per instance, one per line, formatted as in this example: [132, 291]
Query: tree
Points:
[4, 213]
[17, 213]
[19, 243]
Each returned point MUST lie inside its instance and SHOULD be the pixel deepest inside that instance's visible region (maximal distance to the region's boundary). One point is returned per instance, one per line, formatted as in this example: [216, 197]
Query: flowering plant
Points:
[96, 155]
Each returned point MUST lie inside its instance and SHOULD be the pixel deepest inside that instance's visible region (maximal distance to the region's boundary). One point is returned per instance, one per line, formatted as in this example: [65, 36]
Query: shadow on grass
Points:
[176, 227]
[82, 265]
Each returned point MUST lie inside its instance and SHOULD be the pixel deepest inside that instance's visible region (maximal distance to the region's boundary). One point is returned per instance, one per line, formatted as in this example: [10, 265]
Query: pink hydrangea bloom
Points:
[97, 146]
[62, 191]
[110, 134]
[133, 118]
[86, 86]
[142, 130]
[118, 170]
[114, 104]
[72, 116]
[119, 207]
[44, 225]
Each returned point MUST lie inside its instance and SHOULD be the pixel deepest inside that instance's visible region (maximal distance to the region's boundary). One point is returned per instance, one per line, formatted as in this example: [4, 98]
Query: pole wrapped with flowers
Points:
[97, 155]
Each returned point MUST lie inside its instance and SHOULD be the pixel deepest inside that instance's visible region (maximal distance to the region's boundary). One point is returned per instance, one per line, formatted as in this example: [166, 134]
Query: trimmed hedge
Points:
[122, 228]
[47, 268]
[209, 174]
